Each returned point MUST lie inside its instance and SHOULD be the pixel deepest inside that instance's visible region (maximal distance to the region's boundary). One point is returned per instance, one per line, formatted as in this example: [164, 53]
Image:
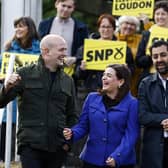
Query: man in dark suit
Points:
[153, 109]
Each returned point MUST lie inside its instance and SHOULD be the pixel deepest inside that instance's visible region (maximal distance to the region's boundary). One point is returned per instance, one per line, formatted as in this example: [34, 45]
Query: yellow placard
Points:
[157, 33]
[100, 53]
[69, 70]
[133, 7]
[20, 60]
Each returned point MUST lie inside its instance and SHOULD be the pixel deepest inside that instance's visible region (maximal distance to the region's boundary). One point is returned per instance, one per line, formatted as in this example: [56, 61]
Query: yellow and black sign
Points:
[157, 33]
[69, 70]
[20, 60]
[100, 53]
[133, 7]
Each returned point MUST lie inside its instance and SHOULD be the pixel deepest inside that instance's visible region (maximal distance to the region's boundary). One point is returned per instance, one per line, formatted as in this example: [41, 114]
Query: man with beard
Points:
[153, 109]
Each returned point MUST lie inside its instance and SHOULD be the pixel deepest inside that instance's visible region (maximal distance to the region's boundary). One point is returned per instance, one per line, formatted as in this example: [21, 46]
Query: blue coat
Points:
[34, 49]
[111, 132]
[80, 32]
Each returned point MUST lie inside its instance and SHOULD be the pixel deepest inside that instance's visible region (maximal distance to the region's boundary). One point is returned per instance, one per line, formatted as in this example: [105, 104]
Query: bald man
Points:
[46, 105]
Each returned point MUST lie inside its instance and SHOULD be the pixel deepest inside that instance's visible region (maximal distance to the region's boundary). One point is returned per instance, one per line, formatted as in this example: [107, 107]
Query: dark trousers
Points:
[88, 165]
[34, 158]
[165, 154]
[3, 141]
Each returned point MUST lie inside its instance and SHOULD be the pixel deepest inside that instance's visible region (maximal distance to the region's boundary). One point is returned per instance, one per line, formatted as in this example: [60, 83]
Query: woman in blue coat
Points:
[109, 118]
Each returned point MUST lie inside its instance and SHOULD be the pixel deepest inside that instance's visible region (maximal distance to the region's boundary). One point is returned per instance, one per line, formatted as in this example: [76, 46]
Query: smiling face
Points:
[106, 29]
[161, 17]
[110, 81]
[160, 59]
[57, 53]
[21, 31]
[65, 8]
[128, 28]
[54, 50]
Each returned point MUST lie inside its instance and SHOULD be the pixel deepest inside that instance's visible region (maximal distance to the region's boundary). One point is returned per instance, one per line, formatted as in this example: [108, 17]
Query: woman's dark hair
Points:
[122, 72]
[161, 4]
[32, 33]
[109, 17]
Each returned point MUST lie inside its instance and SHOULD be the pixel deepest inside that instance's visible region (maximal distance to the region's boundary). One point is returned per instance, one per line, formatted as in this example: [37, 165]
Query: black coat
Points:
[142, 60]
[152, 112]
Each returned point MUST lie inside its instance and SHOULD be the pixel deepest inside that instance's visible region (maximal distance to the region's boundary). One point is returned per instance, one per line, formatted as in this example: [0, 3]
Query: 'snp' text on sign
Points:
[100, 53]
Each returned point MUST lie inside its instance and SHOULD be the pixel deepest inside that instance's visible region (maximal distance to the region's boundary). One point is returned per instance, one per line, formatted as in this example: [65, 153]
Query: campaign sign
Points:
[20, 61]
[133, 7]
[100, 53]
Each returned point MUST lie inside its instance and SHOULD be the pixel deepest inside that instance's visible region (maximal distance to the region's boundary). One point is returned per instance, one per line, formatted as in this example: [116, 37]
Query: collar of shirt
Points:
[163, 81]
[60, 20]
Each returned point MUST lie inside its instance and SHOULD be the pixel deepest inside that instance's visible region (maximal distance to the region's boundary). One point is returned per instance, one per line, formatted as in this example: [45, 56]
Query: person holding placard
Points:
[92, 78]
[143, 58]
[26, 41]
[128, 27]
[128, 30]
[110, 119]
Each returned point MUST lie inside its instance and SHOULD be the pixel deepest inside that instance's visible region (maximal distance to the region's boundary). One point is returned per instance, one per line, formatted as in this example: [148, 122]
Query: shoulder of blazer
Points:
[79, 24]
[45, 24]
[47, 21]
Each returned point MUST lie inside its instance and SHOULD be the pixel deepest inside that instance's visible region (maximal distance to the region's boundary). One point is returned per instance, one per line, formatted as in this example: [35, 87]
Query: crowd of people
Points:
[123, 104]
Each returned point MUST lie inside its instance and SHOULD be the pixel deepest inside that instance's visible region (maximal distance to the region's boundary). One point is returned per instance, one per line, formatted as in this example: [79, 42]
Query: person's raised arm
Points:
[11, 82]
